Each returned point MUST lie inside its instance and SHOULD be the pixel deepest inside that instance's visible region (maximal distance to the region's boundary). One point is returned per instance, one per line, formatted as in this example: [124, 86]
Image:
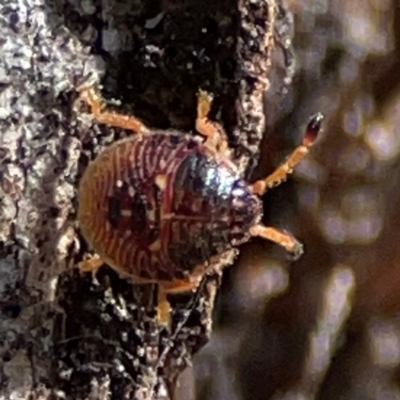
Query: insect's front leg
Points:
[284, 239]
[215, 135]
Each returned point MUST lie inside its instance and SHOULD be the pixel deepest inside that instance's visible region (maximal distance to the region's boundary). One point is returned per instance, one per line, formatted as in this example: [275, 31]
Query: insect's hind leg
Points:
[89, 95]
[163, 307]
[92, 265]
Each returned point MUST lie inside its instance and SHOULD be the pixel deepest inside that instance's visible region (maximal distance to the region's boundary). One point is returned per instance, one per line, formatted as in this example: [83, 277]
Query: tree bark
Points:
[67, 336]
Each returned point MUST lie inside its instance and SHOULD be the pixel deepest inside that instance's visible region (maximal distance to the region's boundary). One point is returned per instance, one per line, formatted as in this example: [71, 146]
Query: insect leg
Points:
[90, 265]
[88, 95]
[163, 306]
[214, 133]
[283, 238]
[282, 172]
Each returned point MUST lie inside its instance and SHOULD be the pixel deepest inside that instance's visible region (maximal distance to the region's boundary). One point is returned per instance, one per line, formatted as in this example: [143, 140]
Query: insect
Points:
[162, 206]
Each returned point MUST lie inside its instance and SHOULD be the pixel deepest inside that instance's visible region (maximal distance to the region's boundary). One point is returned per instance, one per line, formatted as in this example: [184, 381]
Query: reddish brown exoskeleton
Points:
[162, 206]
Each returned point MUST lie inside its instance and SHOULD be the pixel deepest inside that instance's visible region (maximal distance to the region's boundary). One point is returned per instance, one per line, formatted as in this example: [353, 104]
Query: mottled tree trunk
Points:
[66, 336]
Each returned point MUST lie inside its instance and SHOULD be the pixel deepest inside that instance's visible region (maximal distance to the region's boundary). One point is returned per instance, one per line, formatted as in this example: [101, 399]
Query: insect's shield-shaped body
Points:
[164, 206]
[159, 206]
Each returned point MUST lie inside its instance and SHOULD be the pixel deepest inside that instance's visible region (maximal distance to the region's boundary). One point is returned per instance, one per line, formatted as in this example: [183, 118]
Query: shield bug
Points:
[162, 206]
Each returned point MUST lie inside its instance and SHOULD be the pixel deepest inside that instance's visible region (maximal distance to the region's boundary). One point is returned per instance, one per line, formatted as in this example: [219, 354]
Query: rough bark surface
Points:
[66, 336]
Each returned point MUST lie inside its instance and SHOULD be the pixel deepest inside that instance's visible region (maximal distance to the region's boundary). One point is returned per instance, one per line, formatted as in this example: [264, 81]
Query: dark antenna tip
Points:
[313, 129]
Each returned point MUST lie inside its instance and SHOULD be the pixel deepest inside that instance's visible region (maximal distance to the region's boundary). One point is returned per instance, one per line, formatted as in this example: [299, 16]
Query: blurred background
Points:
[326, 326]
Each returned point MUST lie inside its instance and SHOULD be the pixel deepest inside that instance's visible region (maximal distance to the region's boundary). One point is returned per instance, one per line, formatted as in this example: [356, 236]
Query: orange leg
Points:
[282, 172]
[284, 239]
[164, 307]
[89, 96]
[214, 133]
[90, 265]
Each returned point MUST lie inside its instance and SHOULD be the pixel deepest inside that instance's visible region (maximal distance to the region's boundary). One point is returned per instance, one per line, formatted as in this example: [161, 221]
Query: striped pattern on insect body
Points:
[163, 206]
